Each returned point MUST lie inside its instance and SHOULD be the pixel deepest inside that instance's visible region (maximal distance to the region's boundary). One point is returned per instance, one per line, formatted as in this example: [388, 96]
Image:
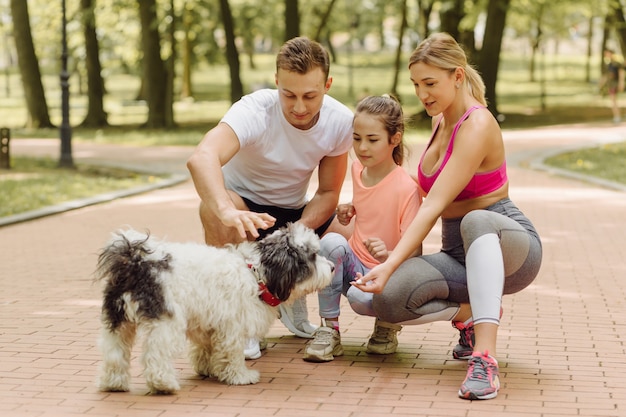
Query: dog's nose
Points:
[332, 269]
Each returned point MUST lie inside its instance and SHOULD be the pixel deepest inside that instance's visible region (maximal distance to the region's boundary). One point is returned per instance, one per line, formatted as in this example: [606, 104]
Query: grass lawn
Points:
[559, 95]
[32, 183]
[607, 162]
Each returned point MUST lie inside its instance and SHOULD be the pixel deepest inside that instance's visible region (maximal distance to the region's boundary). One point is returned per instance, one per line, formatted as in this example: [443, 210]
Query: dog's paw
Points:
[114, 383]
[105, 388]
[243, 376]
[163, 389]
[203, 372]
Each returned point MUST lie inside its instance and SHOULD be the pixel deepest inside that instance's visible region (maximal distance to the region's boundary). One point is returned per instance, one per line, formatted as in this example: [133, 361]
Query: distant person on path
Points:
[612, 82]
[385, 200]
[489, 247]
[252, 170]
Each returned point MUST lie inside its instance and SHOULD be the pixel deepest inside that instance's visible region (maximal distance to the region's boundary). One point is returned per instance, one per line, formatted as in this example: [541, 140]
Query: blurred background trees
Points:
[167, 44]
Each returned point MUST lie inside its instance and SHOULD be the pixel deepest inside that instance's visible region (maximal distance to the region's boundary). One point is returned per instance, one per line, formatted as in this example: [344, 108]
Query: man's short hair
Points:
[301, 55]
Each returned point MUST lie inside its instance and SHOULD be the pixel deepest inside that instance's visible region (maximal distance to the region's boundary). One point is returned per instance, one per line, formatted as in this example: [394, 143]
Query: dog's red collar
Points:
[265, 295]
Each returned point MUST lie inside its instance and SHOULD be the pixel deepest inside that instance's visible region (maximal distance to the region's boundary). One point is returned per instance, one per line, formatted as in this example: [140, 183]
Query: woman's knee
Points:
[414, 284]
[475, 224]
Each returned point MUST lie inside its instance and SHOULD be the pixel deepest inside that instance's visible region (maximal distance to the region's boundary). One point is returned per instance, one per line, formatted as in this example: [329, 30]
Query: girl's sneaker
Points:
[384, 340]
[483, 378]
[325, 345]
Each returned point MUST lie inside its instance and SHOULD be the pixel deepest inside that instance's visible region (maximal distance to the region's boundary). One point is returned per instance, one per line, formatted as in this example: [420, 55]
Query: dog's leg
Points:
[228, 362]
[164, 341]
[116, 346]
[200, 358]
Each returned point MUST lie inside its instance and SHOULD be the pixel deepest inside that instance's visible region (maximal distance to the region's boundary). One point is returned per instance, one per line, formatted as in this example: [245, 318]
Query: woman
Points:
[489, 248]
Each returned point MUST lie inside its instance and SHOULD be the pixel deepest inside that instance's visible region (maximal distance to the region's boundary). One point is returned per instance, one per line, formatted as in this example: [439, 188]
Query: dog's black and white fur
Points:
[216, 298]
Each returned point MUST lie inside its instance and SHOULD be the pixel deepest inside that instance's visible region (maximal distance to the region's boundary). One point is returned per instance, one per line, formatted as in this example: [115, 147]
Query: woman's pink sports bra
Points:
[481, 183]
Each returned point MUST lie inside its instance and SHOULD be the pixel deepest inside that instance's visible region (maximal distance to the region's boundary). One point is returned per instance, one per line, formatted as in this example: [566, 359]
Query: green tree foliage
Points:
[180, 36]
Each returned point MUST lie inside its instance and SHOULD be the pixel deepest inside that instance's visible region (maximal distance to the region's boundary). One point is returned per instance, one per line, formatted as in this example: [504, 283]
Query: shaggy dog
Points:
[216, 298]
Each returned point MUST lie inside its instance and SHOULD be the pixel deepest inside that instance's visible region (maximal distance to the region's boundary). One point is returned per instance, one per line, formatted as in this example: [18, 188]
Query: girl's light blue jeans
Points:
[336, 249]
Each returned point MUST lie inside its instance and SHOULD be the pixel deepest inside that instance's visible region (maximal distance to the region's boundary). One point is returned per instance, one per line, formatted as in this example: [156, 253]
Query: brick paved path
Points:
[562, 349]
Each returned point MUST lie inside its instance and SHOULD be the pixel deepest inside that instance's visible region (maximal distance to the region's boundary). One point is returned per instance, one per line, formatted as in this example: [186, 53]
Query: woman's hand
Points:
[345, 213]
[374, 281]
[377, 248]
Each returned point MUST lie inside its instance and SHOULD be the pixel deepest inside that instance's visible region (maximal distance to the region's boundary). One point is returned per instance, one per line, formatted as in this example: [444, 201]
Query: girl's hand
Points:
[377, 248]
[374, 281]
[345, 213]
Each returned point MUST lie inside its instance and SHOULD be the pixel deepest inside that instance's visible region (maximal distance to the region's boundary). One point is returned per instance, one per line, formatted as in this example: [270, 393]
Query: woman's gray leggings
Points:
[484, 255]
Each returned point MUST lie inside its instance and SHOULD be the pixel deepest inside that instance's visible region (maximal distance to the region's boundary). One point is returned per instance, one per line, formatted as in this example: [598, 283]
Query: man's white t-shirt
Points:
[275, 160]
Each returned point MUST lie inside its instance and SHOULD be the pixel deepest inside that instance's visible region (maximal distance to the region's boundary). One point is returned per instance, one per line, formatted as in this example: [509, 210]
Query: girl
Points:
[385, 200]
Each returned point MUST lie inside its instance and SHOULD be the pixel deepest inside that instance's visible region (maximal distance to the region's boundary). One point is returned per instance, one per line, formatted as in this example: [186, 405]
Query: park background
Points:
[163, 72]
[562, 340]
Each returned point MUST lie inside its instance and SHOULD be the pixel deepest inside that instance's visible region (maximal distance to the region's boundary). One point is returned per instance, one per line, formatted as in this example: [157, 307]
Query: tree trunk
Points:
[589, 50]
[329, 45]
[380, 23]
[451, 14]
[186, 89]
[96, 116]
[490, 53]
[154, 71]
[537, 41]
[397, 63]
[617, 16]
[324, 21]
[605, 39]
[232, 56]
[248, 39]
[170, 67]
[425, 8]
[38, 116]
[292, 19]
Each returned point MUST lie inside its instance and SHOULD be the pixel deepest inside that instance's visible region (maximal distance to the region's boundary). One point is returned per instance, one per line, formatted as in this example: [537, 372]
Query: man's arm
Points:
[331, 173]
[218, 147]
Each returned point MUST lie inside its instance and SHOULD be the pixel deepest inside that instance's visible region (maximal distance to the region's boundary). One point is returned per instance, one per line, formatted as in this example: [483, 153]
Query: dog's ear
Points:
[285, 261]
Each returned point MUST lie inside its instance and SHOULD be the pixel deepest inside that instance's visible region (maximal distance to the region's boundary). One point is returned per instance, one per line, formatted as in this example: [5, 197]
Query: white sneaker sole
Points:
[315, 357]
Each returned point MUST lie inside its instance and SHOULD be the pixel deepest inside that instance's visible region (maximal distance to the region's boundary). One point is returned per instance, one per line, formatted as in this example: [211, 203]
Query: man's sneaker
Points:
[325, 345]
[384, 340]
[253, 348]
[295, 317]
[482, 381]
[465, 347]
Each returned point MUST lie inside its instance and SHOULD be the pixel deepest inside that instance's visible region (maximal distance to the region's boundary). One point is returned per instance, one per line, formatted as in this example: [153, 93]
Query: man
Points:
[252, 170]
